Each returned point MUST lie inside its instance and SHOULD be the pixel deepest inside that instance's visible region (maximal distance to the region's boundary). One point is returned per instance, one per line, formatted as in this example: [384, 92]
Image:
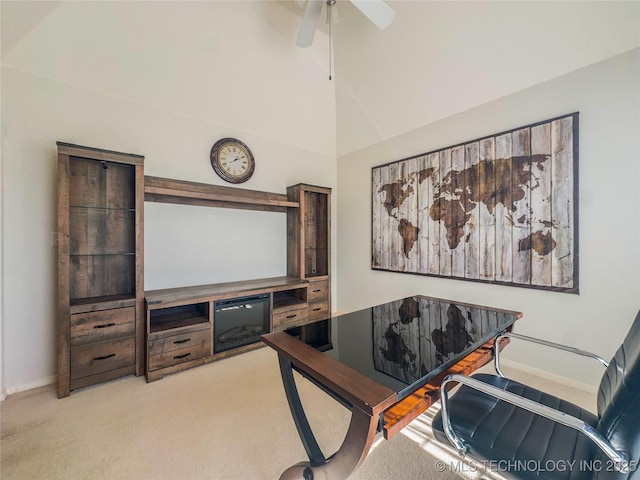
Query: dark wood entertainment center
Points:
[109, 327]
[180, 321]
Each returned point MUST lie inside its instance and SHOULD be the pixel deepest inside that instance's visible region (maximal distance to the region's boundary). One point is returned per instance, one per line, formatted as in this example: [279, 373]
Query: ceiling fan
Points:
[377, 11]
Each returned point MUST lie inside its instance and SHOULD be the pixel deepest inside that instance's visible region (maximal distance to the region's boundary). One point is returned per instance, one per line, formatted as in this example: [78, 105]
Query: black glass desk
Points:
[385, 364]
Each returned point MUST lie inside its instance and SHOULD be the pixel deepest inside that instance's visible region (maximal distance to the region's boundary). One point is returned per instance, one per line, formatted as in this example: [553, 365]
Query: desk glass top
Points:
[404, 343]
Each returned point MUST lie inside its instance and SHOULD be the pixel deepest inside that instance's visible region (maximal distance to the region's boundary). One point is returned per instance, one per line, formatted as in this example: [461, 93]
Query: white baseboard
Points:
[585, 387]
[27, 386]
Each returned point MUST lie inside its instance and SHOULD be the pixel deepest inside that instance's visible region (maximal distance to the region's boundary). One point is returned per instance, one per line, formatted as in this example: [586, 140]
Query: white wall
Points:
[165, 80]
[439, 58]
[2, 395]
[607, 95]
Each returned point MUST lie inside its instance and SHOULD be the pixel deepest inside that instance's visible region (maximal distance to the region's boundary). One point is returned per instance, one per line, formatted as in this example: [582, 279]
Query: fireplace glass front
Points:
[240, 321]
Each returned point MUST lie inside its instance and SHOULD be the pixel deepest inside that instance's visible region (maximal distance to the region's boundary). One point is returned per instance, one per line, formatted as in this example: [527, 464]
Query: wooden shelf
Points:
[100, 265]
[218, 291]
[167, 190]
[92, 304]
[287, 303]
[174, 321]
[72, 150]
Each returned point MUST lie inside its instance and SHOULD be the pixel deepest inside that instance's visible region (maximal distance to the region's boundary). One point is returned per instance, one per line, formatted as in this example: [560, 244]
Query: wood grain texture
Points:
[184, 192]
[499, 209]
[105, 302]
[139, 270]
[384, 222]
[294, 244]
[177, 349]
[71, 150]
[392, 204]
[101, 231]
[486, 217]
[362, 392]
[470, 198]
[102, 325]
[520, 192]
[167, 297]
[91, 359]
[541, 205]
[504, 219]
[100, 272]
[63, 320]
[411, 407]
[562, 210]
[376, 204]
[410, 232]
[455, 213]
[288, 318]
[446, 254]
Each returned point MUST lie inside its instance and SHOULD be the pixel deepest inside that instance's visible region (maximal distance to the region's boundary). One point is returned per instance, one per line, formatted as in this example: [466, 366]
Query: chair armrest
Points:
[618, 459]
[559, 346]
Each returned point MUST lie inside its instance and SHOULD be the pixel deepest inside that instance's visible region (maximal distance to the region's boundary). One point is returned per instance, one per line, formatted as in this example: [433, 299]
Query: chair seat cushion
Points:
[521, 441]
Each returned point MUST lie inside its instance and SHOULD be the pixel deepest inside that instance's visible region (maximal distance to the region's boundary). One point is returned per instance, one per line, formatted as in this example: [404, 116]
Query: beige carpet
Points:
[227, 420]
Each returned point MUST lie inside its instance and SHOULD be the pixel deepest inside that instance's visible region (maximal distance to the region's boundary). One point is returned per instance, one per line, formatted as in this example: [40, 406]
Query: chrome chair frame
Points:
[559, 346]
[620, 462]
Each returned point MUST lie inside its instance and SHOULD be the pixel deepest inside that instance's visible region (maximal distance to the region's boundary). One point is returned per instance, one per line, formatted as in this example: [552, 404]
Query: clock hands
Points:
[232, 160]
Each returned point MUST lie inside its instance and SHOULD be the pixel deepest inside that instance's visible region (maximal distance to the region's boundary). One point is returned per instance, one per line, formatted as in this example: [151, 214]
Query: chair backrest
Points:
[619, 405]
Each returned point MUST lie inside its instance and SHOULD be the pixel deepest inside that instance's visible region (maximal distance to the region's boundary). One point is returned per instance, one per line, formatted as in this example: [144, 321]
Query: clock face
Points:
[232, 160]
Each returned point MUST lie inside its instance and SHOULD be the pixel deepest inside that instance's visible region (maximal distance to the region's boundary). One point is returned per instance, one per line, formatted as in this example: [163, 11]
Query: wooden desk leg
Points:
[354, 449]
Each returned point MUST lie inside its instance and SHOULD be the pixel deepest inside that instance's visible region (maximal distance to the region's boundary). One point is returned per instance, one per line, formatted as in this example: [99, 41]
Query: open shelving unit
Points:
[178, 318]
[110, 327]
[181, 321]
[100, 265]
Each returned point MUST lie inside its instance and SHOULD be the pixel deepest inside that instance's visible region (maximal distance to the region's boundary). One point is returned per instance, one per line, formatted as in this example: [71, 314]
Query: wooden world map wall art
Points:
[501, 209]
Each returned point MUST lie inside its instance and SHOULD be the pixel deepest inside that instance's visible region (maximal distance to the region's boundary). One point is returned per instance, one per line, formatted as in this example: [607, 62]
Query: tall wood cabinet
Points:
[309, 255]
[100, 266]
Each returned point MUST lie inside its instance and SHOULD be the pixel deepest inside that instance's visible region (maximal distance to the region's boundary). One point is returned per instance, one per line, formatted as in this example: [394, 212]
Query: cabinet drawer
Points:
[102, 325]
[318, 311]
[174, 357]
[317, 291]
[290, 317]
[180, 342]
[101, 357]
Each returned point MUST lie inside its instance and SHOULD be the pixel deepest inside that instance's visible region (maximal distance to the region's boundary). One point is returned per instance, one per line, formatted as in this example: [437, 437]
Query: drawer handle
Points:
[317, 309]
[292, 316]
[178, 357]
[316, 291]
[178, 342]
[106, 325]
[105, 357]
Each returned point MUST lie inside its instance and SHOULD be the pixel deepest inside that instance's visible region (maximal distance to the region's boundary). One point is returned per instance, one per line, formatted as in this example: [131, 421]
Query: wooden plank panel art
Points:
[501, 209]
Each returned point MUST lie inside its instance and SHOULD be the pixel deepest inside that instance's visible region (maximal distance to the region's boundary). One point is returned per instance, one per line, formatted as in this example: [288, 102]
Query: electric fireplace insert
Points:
[240, 321]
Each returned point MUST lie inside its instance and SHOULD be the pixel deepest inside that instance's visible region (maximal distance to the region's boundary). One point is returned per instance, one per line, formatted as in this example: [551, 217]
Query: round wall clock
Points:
[232, 160]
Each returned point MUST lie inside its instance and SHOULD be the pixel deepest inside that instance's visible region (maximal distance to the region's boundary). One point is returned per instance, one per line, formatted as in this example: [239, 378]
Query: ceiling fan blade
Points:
[309, 23]
[377, 11]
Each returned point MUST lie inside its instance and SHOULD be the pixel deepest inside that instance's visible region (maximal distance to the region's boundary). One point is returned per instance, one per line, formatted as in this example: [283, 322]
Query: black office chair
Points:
[526, 433]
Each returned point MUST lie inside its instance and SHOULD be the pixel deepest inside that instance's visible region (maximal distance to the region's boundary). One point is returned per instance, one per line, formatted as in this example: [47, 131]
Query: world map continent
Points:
[489, 182]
